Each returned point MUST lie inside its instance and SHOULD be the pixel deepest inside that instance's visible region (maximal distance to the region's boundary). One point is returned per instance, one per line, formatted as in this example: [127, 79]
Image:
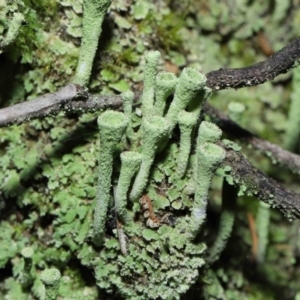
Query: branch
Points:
[276, 153]
[72, 97]
[253, 182]
[279, 63]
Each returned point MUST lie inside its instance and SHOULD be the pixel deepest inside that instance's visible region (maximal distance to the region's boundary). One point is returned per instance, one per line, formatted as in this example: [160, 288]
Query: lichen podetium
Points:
[153, 252]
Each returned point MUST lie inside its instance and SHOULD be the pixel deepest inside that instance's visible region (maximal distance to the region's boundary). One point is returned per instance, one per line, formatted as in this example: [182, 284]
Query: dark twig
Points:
[72, 98]
[259, 185]
[274, 152]
[279, 63]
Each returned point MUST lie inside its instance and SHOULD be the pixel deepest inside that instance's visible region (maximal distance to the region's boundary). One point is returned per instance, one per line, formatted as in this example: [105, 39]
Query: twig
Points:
[276, 153]
[257, 184]
[71, 98]
[279, 63]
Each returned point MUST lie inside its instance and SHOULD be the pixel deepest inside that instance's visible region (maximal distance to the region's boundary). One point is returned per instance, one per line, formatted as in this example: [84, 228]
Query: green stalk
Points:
[112, 125]
[93, 15]
[50, 278]
[209, 158]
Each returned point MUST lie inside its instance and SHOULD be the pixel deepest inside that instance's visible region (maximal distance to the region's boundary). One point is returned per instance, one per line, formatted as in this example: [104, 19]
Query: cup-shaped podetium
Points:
[165, 86]
[154, 130]
[209, 157]
[112, 126]
[50, 278]
[190, 83]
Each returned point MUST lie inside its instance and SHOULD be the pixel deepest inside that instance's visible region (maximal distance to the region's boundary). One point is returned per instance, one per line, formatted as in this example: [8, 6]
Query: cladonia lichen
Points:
[50, 279]
[93, 15]
[112, 126]
[146, 240]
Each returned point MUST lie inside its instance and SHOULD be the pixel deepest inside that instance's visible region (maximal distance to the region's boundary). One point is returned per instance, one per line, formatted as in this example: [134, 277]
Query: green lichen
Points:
[111, 126]
[50, 279]
[131, 162]
[27, 254]
[93, 15]
[149, 82]
[229, 195]
[189, 84]
[209, 157]
[165, 85]
[236, 110]
[13, 30]
[262, 227]
[127, 99]
[155, 129]
[187, 122]
[47, 199]
[231, 145]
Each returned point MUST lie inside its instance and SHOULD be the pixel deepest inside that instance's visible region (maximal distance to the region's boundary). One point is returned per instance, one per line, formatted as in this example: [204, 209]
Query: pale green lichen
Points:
[56, 182]
[187, 122]
[208, 132]
[154, 130]
[93, 15]
[131, 162]
[236, 110]
[12, 32]
[112, 125]
[51, 279]
[27, 254]
[152, 59]
[165, 86]
[189, 84]
[209, 157]
[262, 229]
[127, 101]
[229, 196]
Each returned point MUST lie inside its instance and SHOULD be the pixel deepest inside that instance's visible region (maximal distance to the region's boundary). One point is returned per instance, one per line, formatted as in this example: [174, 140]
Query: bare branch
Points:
[259, 185]
[279, 63]
[72, 97]
[274, 152]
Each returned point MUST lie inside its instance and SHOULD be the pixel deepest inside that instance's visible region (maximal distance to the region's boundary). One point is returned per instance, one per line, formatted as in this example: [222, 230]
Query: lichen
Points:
[46, 199]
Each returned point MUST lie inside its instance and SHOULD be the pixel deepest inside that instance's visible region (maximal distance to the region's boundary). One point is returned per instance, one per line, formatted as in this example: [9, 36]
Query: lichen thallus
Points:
[153, 135]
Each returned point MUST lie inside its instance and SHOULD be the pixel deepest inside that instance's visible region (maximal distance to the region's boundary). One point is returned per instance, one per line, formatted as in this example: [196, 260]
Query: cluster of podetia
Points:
[157, 259]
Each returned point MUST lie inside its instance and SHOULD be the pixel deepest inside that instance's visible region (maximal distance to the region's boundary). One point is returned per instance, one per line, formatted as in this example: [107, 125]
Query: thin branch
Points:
[274, 152]
[72, 97]
[278, 63]
[255, 183]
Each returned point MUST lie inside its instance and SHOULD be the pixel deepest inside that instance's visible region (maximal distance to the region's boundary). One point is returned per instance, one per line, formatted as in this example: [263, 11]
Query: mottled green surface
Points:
[48, 172]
